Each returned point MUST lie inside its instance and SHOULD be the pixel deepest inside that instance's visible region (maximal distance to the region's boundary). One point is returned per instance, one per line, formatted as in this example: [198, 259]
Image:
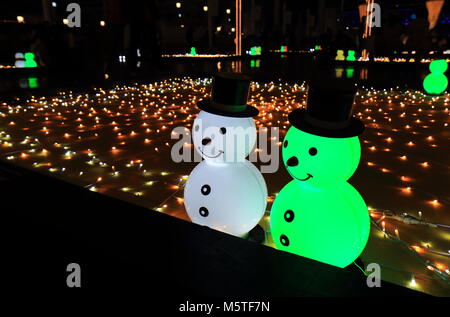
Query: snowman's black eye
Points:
[223, 130]
[196, 128]
[285, 144]
[312, 151]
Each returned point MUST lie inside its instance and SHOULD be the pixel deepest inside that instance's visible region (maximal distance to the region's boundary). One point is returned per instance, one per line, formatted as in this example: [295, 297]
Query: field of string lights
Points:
[118, 142]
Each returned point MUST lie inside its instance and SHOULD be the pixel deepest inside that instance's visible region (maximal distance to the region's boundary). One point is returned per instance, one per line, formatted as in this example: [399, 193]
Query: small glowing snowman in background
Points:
[350, 55]
[318, 214]
[225, 191]
[340, 55]
[20, 60]
[436, 82]
[29, 60]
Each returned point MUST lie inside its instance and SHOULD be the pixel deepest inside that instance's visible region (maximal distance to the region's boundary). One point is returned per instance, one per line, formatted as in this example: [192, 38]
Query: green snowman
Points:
[436, 82]
[351, 55]
[318, 214]
[29, 60]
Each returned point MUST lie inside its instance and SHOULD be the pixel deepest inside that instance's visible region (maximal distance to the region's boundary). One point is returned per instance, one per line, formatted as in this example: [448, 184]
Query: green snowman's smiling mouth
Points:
[304, 179]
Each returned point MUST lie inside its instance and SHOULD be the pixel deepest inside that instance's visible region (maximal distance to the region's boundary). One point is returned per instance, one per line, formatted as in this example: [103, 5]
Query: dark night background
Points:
[159, 27]
[122, 42]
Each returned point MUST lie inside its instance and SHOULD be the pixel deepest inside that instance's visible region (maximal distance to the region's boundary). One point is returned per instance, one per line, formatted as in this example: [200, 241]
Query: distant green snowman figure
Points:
[351, 55]
[319, 215]
[193, 51]
[436, 82]
[340, 55]
[29, 60]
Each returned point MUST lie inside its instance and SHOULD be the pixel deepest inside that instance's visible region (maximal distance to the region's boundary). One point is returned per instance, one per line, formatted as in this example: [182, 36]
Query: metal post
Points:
[238, 28]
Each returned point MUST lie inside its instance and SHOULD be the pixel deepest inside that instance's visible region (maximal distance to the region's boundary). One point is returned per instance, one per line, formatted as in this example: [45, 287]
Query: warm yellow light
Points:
[20, 19]
[205, 8]
[228, 11]
[66, 21]
[102, 23]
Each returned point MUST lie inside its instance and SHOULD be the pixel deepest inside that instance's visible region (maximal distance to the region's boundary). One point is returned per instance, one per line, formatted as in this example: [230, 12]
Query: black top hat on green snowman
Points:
[328, 111]
[229, 96]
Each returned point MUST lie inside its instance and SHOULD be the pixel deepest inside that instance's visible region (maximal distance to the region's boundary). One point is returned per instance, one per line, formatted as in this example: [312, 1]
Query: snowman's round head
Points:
[319, 160]
[223, 139]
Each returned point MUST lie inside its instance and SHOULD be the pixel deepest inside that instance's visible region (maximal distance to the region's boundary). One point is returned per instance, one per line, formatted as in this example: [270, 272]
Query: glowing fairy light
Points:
[412, 282]
[407, 125]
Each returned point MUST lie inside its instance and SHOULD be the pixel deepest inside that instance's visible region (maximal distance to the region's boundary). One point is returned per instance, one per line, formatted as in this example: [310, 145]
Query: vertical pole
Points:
[209, 25]
[368, 26]
[238, 29]
[369, 16]
[252, 18]
[46, 8]
[283, 15]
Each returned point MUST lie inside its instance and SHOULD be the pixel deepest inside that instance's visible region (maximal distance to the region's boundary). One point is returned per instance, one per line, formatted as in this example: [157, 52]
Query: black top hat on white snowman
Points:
[229, 95]
[328, 110]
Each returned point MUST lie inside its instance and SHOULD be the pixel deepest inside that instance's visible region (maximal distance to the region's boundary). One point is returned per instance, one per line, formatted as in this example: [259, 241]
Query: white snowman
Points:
[20, 60]
[225, 191]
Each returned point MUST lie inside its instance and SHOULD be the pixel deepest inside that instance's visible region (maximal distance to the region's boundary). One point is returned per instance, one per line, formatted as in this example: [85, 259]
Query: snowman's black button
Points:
[284, 240]
[312, 151]
[285, 144]
[206, 189]
[289, 215]
[203, 212]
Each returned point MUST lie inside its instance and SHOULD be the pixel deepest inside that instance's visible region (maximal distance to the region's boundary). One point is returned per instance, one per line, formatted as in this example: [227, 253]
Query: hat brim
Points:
[298, 120]
[249, 111]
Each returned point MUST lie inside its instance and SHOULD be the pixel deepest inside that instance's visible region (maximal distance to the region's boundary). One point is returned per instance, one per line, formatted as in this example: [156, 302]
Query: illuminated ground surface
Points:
[118, 142]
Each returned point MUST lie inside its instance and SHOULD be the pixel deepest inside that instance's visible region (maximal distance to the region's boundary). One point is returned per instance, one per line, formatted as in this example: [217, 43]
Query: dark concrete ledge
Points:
[120, 246]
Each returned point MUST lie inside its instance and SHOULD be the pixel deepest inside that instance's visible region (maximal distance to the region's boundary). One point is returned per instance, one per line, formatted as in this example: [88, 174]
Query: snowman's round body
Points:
[436, 82]
[318, 214]
[225, 191]
[229, 197]
[327, 224]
